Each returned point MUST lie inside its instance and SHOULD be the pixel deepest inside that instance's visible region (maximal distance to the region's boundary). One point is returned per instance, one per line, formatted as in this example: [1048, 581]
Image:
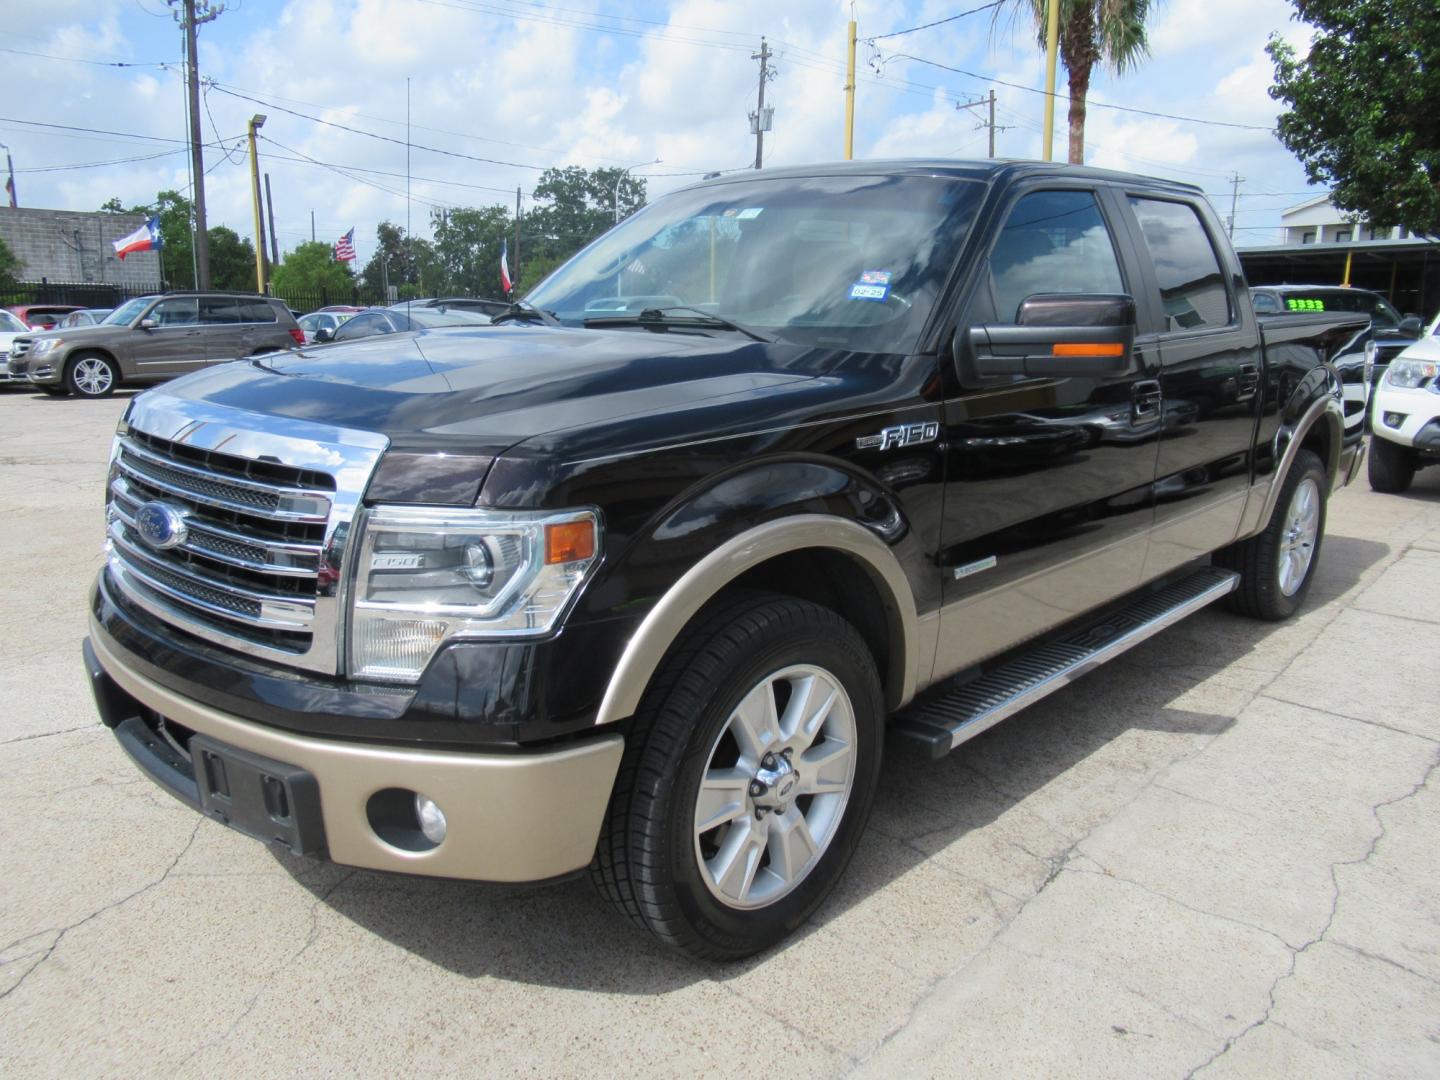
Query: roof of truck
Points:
[985, 170]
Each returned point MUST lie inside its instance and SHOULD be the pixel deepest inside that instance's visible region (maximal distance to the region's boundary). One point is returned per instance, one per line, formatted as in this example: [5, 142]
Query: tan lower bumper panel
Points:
[510, 817]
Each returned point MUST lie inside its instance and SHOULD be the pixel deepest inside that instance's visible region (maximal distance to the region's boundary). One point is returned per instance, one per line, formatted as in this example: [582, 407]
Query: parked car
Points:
[153, 338]
[376, 322]
[1405, 429]
[84, 317]
[459, 303]
[1392, 331]
[327, 320]
[43, 316]
[10, 328]
[636, 586]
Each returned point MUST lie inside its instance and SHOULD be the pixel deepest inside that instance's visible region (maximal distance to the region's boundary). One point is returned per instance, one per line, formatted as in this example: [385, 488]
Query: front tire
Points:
[91, 375]
[747, 779]
[1391, 466]
[1277, 565]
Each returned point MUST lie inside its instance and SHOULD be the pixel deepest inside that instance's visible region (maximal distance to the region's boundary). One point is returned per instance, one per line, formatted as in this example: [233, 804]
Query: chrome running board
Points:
[948, 718]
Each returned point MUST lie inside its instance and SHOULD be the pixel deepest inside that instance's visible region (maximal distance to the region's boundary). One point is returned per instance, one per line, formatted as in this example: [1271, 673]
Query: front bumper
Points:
[1419, 407]
[516, 817]
[44, 370]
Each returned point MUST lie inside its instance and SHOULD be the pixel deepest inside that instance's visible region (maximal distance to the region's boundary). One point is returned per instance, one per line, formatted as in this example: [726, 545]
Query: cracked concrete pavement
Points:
[1214, 857]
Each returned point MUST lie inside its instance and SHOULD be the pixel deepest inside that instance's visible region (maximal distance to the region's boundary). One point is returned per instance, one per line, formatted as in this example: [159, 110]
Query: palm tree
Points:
[1110, 32]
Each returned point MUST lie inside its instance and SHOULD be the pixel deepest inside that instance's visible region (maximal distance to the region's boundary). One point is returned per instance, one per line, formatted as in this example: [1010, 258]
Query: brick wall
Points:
[69, 245]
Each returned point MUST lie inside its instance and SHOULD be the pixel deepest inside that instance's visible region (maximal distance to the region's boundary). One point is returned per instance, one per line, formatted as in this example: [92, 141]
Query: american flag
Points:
[345, 247]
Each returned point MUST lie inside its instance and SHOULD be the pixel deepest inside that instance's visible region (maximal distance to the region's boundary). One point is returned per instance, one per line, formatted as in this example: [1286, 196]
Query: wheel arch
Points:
[805, 555]
[1321, 429]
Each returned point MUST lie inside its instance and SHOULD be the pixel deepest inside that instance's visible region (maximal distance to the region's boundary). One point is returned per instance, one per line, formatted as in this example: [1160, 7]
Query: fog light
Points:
[432, 819]
[1394, 419]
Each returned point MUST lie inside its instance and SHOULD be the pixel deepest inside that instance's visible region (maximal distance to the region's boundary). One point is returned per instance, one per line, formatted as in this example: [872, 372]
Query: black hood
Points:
[482, 390]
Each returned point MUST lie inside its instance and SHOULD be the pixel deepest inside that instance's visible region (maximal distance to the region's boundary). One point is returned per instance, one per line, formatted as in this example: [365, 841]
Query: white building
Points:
[1317, 221]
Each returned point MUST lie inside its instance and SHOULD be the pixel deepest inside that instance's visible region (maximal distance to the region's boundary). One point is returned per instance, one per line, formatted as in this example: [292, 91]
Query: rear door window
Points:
[1192, 285]
[1052, 242]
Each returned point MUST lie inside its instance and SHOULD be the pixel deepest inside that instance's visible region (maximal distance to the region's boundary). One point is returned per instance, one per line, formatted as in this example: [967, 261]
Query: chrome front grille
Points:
[266, 505]
[19, 347]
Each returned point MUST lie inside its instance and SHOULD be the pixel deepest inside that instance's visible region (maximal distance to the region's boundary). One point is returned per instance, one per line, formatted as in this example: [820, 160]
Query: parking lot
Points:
[1215, 856]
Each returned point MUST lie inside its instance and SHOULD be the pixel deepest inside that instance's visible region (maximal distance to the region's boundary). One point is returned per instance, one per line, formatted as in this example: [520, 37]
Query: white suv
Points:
[1406, 415]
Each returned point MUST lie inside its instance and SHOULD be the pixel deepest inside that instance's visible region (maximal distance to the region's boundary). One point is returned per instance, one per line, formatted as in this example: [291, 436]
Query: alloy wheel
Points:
[775, 787]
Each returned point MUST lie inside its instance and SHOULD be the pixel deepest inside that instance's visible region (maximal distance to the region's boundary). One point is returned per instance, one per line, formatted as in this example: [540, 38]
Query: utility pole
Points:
[515, 277]
[312, 226]
[849, 90]
[190, 19]
[988, 101]
[13, 199]
[761, 119]
[270, 216]
[256, 122]
[1235, 181]
[1052, 52]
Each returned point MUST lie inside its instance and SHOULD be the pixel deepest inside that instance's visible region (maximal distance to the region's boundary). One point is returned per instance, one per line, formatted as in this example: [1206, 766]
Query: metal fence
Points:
[93, 295]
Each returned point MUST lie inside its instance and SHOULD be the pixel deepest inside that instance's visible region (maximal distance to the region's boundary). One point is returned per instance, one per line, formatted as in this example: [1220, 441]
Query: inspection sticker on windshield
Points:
[873, 285]
[749, 212]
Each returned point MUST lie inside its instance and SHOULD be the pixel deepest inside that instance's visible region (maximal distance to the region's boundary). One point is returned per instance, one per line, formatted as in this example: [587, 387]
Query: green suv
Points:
[153, 338]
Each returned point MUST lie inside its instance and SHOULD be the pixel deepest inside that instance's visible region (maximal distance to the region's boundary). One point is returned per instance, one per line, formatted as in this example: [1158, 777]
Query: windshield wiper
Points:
[528, 312]
[661, 317]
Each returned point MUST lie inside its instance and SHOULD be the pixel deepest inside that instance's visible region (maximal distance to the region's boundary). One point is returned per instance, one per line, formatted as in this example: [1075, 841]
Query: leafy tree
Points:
[467, 244]
[1106, 32]
[9, 266]
[232, 260]
[311, 268]
[1363, 107]
[575, 206]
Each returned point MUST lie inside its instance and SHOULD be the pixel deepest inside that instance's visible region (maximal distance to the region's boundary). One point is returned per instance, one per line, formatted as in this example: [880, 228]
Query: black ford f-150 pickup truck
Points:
[636, 579]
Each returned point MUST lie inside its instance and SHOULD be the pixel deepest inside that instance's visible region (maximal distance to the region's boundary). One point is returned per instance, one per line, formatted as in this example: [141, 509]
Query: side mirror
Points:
[148, 324]
[1056, 335]
[1412, 326]
[323, 335]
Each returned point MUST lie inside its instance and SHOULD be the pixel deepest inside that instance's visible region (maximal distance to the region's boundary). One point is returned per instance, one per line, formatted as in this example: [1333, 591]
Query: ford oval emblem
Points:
[161, 525]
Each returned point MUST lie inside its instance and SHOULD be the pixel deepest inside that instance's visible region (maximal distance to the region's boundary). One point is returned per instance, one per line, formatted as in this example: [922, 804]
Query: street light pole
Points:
[256, 123]
[624, 173]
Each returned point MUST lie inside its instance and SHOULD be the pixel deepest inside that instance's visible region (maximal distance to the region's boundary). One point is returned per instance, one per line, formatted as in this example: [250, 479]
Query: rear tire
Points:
[1277, 565]
[747, 778]
[91, 375]
[1392, 467]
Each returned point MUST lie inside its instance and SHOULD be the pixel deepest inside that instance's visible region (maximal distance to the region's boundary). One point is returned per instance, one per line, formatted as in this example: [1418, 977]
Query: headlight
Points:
[1409, 374]
[429, 575]
[45, 345]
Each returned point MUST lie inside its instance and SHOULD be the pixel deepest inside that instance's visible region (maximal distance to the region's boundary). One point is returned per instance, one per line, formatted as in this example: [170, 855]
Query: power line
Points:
[101, 164]
[92, 63]
[1090, 104]
[92, 131]
[937, 22]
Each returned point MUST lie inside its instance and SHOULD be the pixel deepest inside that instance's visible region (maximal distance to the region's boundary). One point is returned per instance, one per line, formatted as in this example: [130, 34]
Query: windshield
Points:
[428, 318]
[10, 324]
[851, 261]
[127, 312]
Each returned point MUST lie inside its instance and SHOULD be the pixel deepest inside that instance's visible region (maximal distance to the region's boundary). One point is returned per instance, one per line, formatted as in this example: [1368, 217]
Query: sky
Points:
[499, 90]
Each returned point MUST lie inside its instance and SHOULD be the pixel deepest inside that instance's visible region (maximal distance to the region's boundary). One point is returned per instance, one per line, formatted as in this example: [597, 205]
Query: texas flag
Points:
[505, 267]
[145, 238]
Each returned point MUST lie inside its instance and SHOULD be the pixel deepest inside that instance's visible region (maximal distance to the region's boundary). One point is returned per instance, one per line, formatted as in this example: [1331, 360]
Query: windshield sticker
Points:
[1298, 304]
[875, 293]
[874, 277]
[750, 212]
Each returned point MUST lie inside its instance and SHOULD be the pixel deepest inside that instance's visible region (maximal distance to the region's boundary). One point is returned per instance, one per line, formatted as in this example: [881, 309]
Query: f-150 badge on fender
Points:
[900, 435]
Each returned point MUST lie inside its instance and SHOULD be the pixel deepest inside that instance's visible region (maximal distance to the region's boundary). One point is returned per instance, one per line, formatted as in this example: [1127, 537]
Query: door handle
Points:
[1249, 379]
[1145, 398]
